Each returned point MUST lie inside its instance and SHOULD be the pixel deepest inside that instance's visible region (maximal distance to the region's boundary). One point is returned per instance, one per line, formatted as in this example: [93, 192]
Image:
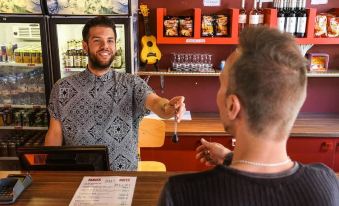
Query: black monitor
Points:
[66, 158]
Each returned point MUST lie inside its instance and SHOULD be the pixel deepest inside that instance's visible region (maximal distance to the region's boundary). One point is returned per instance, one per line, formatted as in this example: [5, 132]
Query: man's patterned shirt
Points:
[102, 110]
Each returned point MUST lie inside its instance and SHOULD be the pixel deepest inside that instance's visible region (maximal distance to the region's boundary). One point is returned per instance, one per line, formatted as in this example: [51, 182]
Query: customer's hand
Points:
[211, 153]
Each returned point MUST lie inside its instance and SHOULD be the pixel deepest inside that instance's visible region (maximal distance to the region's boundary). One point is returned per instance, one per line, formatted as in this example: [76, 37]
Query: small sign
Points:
[104, 190]
[195, 40]
[211, 2]
[315, 2]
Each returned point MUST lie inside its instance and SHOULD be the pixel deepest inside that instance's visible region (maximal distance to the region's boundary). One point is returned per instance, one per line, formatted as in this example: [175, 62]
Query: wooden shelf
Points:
[173, 73]
[328, 73]
[197, 38]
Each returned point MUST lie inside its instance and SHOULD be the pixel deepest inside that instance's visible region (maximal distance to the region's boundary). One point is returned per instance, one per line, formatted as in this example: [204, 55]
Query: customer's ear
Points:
[233, 106]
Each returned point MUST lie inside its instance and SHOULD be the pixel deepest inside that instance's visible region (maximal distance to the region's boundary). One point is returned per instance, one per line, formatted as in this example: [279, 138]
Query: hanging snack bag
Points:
[221, 25]
[186, 26]
[332, 26]
[207, 26]
[171, 26]
[320, 29]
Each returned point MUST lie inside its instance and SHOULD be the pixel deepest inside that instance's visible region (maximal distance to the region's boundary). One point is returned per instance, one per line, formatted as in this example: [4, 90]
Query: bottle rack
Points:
[270, 20]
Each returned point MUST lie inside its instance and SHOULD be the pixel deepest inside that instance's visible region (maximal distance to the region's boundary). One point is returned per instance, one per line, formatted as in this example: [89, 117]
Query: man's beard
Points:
[97, 64]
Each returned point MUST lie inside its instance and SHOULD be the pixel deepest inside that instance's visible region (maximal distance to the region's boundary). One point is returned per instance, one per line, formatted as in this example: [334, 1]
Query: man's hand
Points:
[211, 153]
[175, 107]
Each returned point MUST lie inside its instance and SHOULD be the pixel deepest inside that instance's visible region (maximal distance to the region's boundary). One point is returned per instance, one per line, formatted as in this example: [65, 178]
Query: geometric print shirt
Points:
[103, 110]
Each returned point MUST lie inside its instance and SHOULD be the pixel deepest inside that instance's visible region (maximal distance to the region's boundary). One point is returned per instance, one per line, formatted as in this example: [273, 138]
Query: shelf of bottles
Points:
[12, 140]
[293, 17]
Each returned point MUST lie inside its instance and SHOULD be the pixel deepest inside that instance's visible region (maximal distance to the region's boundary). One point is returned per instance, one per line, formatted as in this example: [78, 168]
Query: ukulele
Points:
[150, 53]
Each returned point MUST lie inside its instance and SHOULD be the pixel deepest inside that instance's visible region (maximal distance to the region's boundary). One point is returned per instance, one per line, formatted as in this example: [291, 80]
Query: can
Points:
[35, 59]
[17, 55]
[26, 56]
[39, 56]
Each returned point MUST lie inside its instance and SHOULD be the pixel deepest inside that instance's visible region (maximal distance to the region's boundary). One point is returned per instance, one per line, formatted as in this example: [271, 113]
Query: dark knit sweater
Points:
[308, 185]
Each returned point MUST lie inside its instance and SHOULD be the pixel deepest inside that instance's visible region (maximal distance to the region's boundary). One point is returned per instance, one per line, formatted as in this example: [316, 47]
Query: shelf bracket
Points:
[304, 48]
[162, 83]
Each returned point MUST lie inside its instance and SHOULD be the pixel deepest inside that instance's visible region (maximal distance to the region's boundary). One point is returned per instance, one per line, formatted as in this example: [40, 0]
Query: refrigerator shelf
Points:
[80, 69]
[23, 128]
[9, 158]
[13, 64]
[18, 106]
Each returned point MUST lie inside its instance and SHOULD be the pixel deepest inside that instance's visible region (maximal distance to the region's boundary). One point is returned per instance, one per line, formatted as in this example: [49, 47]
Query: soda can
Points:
[26, 56]
[17, 56]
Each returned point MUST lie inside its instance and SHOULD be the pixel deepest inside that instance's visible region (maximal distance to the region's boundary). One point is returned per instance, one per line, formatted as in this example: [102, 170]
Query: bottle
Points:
[242, 17]
[261, 13]
[301, 20]
[281, 19]
[253, 15]
[84, 58]
[69, 55]
[291, 20]
[77, 54]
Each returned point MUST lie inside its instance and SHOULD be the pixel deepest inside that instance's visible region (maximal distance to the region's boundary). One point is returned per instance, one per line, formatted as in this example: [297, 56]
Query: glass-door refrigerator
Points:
[66, 24]
[24, 76]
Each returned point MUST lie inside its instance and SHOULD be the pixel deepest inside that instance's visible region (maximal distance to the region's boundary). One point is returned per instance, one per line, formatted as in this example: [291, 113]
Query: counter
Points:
[306, 125]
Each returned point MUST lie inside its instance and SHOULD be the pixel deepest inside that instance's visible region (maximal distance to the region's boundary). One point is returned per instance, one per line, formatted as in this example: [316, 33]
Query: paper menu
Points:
[104, 191]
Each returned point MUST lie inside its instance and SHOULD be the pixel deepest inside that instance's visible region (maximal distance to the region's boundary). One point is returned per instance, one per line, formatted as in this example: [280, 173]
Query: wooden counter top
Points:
[56, 188]
[306, 125]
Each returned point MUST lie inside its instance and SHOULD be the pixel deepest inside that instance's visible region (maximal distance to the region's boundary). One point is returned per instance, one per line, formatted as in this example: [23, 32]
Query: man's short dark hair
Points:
[269, 77]
[98, 21]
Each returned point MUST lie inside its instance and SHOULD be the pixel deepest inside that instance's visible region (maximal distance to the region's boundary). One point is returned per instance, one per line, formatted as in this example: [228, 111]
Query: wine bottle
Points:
[261, 13]
[291, 19]
[242, 16]
[281, 16]
[301, 20]
[253, 15]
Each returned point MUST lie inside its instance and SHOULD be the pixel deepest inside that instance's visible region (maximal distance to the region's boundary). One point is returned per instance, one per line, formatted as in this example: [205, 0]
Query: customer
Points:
[262, 89]
[100, 106]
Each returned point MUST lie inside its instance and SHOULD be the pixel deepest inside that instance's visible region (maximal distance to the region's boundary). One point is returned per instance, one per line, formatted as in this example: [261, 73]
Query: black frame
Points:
[61, 151]
[54, 20]
[44, 33]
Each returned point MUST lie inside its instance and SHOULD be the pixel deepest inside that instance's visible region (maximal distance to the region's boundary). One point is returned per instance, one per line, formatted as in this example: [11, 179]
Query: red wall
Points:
[200, 92]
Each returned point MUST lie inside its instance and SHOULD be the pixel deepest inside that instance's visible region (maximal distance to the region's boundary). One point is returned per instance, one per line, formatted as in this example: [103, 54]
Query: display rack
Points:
[197, 38]
[270, 20]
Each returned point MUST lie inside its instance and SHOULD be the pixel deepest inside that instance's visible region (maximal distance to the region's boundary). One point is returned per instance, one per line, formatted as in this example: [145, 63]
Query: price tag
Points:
[211, 2]
[315, 2]
[195, 40]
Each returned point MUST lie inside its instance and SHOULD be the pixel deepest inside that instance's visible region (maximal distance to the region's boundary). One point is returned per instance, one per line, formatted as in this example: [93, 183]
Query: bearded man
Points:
[100, 106]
